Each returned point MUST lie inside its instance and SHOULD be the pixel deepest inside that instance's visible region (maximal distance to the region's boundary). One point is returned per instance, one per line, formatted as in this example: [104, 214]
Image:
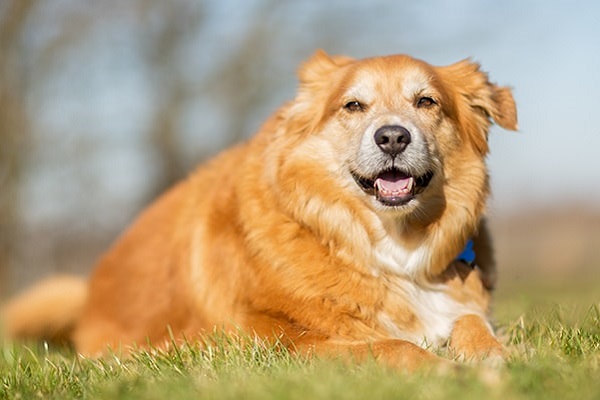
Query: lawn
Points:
[553, 336]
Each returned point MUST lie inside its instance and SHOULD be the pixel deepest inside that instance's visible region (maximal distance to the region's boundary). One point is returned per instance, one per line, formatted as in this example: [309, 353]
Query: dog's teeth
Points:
[410, 185]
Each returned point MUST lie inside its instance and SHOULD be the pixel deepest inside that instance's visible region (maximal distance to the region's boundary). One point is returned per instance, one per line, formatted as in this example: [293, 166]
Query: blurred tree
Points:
[238, 80]
[14, 127]
[26, 58]
[162, 48]
[244, 79]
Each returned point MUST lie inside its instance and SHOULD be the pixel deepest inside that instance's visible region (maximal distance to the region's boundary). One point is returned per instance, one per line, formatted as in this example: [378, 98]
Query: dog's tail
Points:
[46, 311]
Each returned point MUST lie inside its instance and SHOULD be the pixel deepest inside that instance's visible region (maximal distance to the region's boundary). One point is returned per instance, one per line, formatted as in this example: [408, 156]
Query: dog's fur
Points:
[288, 236]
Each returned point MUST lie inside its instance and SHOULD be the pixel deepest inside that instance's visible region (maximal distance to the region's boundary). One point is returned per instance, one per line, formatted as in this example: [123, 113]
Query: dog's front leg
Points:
[472, 339]
[397, 354]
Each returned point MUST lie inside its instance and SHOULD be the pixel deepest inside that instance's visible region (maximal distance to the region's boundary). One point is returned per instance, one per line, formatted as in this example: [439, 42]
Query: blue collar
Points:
[468, 254]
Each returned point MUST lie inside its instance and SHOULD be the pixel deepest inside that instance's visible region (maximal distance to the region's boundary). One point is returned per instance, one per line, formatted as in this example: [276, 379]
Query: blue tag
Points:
[468, 254]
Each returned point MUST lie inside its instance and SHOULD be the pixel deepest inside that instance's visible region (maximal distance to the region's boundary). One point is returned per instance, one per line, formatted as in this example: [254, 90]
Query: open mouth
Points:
[394, 187]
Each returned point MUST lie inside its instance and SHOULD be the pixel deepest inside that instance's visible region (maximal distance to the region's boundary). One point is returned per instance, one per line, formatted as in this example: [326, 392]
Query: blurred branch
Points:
[25, 61]
[177, 21]
[14, 127]
[244, 79]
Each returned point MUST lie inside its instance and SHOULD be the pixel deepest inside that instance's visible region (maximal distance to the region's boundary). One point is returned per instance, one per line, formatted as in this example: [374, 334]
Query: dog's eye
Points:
[354, 106]
[425, 102]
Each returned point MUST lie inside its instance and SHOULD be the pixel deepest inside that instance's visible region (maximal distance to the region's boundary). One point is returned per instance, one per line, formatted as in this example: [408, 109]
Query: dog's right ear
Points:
[319, 67]
[309, 107]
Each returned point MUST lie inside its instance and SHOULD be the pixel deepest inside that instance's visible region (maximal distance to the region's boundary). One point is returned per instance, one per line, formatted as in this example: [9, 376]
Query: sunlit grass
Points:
[554, 354]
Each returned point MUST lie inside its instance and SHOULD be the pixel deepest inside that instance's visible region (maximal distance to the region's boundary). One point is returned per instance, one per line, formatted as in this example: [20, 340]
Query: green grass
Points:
[554, 343]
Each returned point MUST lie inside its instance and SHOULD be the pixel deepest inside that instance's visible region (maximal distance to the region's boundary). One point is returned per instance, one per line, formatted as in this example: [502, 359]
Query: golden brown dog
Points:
[335, 229]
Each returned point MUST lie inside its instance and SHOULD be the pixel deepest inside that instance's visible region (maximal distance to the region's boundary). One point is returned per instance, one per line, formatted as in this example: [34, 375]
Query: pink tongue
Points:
[393, 186]
[391, 182]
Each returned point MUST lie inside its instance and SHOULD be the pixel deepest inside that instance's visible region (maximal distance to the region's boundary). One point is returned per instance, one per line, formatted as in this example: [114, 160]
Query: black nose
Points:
[392, 139]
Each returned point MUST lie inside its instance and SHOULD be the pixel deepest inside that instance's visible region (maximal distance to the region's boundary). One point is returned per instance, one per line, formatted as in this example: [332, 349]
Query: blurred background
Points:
[105, 104]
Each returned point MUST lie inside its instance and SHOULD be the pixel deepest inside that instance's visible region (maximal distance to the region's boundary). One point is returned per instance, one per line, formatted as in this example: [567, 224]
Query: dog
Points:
[335, 230]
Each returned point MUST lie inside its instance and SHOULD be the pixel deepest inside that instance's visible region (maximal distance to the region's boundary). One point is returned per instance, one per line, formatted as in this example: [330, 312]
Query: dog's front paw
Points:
[472, 341]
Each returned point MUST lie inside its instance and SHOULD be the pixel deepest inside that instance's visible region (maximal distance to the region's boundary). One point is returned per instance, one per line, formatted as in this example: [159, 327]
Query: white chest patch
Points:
[436, 310]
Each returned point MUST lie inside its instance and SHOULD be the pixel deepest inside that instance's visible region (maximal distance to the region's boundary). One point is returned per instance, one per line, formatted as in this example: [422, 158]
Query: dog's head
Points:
[398, 131]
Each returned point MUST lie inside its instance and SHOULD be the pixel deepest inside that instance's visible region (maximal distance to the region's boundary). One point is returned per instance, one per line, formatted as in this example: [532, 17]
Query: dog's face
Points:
[393, 123]
[389, 128]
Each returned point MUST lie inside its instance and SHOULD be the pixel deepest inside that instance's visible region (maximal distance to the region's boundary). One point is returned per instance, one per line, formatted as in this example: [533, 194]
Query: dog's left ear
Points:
[478, 96]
